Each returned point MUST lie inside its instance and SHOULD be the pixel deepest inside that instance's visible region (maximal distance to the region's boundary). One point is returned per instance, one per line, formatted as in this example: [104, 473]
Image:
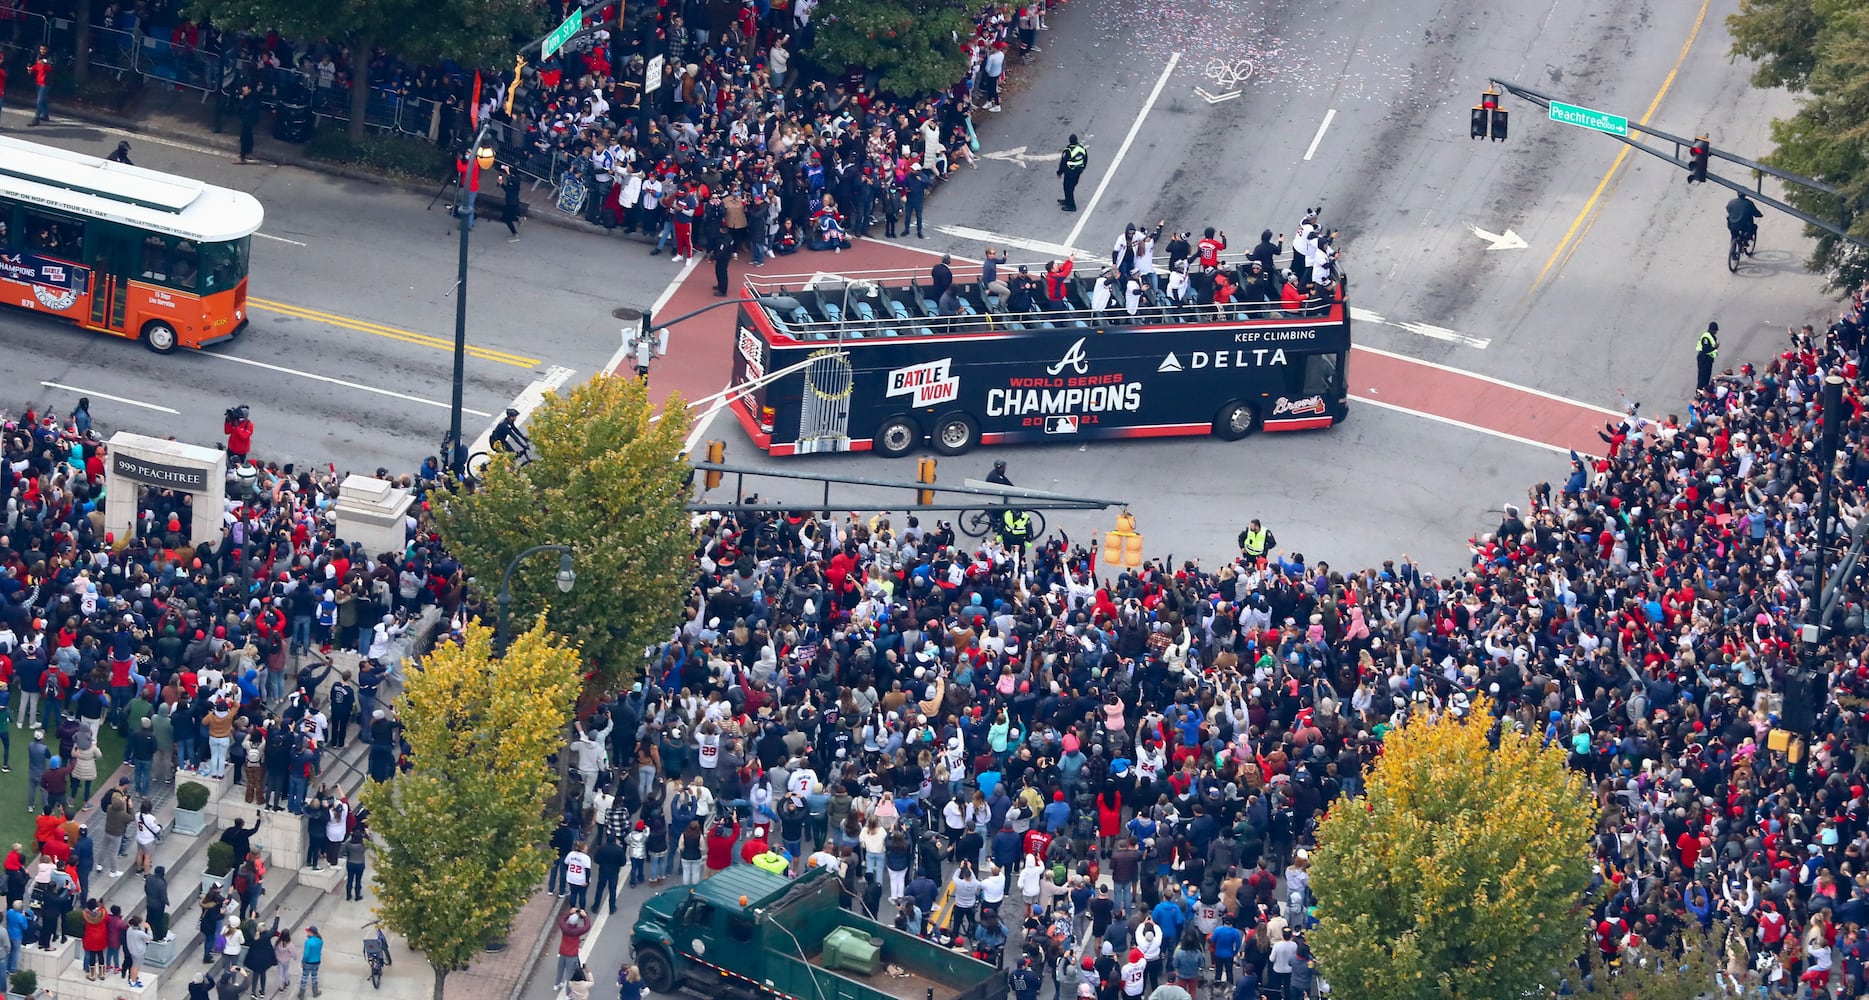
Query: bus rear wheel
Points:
[1235, 420]
[160, 337]
[956, 434]
[896, 437]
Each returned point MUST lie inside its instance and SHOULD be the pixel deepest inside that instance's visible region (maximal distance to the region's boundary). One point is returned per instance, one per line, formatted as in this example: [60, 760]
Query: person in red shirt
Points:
[720, 841]
[41, 71]
[1210, 246]
[238, 427]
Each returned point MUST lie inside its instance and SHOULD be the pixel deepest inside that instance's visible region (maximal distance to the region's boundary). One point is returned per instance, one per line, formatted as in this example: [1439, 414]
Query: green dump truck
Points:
[748, 934]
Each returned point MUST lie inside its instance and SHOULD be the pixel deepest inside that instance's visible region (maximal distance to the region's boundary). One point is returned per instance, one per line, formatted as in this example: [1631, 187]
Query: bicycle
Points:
[376, 952]
[478, 461]
[979, 523]
[1738, 246]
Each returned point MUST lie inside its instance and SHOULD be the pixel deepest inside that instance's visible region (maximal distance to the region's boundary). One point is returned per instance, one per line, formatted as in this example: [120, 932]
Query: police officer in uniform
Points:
[1705, 351]
[1255, 542]
[1014, 526]
[1024, 981]
[1071, 167]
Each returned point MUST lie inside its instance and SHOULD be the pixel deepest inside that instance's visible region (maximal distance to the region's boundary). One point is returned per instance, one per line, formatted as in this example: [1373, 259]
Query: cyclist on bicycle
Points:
[1739, 215]
[506, 434]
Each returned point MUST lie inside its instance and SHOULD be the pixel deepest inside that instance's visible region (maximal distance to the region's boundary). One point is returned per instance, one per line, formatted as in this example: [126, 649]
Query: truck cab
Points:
[746, 933]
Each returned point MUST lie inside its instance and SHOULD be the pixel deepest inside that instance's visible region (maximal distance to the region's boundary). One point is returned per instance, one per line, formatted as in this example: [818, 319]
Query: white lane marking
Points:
[1015, 242]
[1451, 422]
[281, 239]
[360, 387]
[1083, 217]
[1554, 397]
[1319, 137]
[529, 399]
[1362, 315]
[106, 395]
[661, 300]
[153, 140]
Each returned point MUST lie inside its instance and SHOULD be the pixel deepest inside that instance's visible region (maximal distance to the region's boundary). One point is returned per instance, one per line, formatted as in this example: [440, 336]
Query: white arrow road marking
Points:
[1424, 329]
[1215, 98]
[1507, 240]
[1021, 157]
[1014, 242]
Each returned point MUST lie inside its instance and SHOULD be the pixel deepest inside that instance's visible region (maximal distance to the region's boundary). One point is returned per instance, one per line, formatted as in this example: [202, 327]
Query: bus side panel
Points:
[69, 303]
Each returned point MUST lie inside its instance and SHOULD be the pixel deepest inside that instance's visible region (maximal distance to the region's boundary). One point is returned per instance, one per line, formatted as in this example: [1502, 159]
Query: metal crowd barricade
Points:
[22, 32]
[112, 50]
[161, 61]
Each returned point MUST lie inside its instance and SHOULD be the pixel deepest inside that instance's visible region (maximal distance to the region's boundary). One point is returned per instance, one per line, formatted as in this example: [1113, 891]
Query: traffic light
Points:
[1123, 547]
[1805, 694]
[716, 454]
[925, 474]
[1489, 120]
[1697, 159]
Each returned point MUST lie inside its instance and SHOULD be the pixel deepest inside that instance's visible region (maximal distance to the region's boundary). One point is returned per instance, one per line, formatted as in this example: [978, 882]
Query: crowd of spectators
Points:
[1114, 779]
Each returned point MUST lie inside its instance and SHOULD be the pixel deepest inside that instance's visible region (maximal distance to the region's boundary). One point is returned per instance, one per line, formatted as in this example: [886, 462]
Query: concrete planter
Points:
[190, 821]
[159, 954]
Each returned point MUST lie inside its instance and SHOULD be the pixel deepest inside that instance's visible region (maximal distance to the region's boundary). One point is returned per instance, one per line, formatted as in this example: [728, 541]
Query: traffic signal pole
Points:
[1693, 154]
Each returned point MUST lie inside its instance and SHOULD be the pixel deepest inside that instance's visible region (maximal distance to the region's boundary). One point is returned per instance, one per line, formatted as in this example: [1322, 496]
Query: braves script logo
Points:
[754, 352]
[928, 384]
[1073, 359]
[1298, 407]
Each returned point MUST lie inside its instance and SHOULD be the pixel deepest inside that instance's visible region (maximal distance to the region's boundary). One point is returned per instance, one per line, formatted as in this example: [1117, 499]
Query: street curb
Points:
[532, 960]
[549, 216]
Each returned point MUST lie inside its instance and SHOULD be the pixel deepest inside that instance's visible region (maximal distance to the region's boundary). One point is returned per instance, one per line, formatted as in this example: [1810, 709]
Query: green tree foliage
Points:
[471, 32]
[914, 44]
[460, 839]
[1686, 969]
[609, 483]
[1456, 876]
[1820, 48]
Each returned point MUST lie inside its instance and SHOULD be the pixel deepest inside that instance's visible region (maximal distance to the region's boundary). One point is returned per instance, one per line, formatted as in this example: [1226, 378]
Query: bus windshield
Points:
[224, 264]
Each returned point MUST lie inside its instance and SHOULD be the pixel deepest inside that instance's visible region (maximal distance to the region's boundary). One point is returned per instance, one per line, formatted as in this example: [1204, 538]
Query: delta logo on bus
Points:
[928, 384]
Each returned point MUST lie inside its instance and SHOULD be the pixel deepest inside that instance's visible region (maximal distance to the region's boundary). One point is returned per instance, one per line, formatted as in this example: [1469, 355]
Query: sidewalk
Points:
[494, 976]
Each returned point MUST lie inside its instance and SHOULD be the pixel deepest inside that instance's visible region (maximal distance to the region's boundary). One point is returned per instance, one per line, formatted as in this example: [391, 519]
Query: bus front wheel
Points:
[897, 437]
[1235, 421]
[956, 434]
[160, 337]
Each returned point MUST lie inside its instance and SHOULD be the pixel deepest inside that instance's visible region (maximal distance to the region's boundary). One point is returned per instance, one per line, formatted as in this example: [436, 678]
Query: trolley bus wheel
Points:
[896, 437]
[160, 337]
[956, 434]
[1235, 421]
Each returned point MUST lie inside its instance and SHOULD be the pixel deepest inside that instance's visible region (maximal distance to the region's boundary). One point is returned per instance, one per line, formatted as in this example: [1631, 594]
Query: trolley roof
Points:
[118, 192]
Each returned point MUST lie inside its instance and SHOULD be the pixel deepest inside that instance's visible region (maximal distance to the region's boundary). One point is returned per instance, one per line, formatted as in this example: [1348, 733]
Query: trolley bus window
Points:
[155, 257]
[223, 264]
[7, 209]
[170, 261]
[54, 236]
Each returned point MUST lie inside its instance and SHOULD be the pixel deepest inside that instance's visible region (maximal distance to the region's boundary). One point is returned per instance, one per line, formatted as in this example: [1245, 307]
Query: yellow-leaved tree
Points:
[1457, 874]
[460, 839]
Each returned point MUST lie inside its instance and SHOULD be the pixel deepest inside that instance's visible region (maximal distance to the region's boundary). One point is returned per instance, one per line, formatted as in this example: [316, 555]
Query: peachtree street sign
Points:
[1582, 117]
[178, 477]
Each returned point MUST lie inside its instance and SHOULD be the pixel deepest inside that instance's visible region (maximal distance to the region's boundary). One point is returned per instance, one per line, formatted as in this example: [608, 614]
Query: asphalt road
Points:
[349, 355]
[1361, 108]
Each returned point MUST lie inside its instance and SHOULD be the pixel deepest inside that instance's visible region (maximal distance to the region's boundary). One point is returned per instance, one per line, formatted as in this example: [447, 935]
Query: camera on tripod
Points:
[235, 414]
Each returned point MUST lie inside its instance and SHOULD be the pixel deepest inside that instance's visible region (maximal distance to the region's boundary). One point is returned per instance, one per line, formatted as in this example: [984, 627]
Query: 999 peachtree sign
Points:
[176, 477]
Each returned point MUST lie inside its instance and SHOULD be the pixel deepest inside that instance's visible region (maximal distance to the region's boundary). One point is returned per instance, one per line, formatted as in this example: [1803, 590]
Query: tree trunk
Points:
[359, 104]
[441, 977]
[81, 23]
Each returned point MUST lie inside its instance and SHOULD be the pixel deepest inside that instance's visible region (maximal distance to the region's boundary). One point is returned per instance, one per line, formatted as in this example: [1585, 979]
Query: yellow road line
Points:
[1623, 155]
[390, 332]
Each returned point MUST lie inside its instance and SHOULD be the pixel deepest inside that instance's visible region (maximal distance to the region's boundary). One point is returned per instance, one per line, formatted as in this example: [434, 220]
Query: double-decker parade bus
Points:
[867, 362]
[121, 249]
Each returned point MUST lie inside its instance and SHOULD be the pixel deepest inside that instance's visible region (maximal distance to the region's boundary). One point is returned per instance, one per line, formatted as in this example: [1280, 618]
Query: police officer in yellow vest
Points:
[1706, 350]
[1014, 526]
[1256, 542]
[1071, 167]
[772, 861]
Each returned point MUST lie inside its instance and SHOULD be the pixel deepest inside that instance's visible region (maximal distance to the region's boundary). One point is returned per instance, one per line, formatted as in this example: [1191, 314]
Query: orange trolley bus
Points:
[123, 250]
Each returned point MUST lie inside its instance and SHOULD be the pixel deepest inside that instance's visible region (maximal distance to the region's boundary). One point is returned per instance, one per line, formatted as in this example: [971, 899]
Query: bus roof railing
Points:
[899, 309]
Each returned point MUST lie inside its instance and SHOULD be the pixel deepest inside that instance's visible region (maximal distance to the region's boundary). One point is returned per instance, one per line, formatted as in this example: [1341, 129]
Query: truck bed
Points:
[905, 987]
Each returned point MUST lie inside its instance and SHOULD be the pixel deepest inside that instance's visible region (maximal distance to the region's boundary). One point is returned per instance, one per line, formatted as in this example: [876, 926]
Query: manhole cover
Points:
[625, 312]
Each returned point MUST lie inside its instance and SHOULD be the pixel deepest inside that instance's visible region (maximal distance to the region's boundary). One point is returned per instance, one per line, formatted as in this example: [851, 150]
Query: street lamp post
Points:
[567, 579]
[480, 157]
